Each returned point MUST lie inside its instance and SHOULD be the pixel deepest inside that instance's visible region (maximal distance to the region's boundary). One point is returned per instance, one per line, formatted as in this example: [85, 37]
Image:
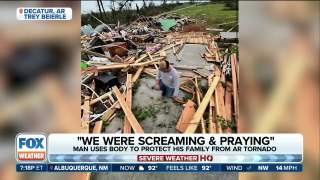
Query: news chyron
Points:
[38, 152]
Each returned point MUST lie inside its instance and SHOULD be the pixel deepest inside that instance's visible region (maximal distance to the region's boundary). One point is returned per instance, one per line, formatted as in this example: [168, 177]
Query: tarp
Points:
[166, 24]
[102, 27]
[87, 30]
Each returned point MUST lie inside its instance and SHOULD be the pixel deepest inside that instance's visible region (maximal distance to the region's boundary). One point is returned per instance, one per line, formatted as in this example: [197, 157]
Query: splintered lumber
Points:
[104, 96]
[201, 74]
[113, 116]
[86, 115]
[212, 124]
[209, 60]
[120, 66]
[152, 60]
[203, 125]
[141, 58]
[203, 105]
[127, 125]
[227, 105]
[137, 75]
[182, 45]
[212, 54]
[187, 67]
[186, 89]
[208, 55]
[217, 112]
[149, 73]
[167, 48]
[220, 94]
[217, 53]
[106, 116]
[98, 124]
[185, 81]
[131, 118]
[89, 70]
[186, 116]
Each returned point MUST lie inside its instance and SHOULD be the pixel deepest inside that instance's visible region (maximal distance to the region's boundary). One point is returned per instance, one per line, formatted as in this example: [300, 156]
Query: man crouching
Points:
[167, 80]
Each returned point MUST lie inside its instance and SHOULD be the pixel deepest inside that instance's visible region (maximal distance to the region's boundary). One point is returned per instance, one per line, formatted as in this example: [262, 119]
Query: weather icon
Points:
[141, 168]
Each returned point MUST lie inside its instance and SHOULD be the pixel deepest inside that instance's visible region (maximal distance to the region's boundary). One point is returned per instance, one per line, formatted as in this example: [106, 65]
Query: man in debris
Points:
[167, 80]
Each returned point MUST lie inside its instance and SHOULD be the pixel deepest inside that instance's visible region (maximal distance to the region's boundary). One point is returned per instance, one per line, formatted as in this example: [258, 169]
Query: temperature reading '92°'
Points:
[205, 168]
[152, 168]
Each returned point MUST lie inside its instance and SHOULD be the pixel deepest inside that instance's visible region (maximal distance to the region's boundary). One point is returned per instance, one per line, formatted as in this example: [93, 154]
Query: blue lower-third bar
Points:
[177, 167]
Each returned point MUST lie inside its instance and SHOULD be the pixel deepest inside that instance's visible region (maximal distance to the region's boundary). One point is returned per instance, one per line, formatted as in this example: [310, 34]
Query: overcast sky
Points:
[88, 6]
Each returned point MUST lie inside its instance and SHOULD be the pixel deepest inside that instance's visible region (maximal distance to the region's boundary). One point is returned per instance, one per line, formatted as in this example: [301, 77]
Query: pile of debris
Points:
[113, 60]
[164, 22]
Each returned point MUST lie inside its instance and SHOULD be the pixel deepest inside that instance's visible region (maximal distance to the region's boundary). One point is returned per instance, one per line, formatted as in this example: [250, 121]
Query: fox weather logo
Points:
[31, 147]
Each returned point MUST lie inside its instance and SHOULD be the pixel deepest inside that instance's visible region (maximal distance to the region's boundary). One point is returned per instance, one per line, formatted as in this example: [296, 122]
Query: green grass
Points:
[144, 113]
[213, 14]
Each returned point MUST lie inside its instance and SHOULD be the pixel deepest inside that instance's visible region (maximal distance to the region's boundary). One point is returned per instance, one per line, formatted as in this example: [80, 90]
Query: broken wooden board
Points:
[220, 94]
[199, 73]
[149, 73]
[217, 113]
[209, 59]
[217, 53]
[186, 89]
[208, 55]
[212, 115]
[127, 125]
[89, 70]
[203, 125]
[141, 58]
[120, 66]
[137, 75]
[186, 116]
[106, 116]
[210, 52]
[227, 105]
[131, 118]
[199, 113]
[99, 99]
[152, 60]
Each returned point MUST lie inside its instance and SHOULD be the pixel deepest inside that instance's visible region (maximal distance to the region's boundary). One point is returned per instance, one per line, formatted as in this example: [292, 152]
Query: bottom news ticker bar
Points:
[294, 167]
